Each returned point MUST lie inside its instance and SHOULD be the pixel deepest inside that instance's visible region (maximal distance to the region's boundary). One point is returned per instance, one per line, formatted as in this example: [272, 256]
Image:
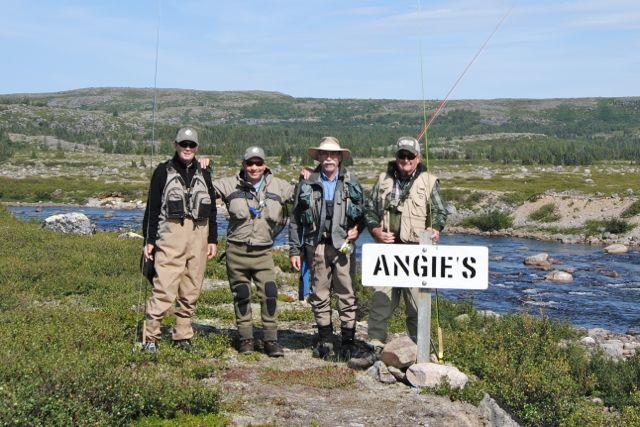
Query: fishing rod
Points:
[423, 132]
[442, 103]
[145, 263]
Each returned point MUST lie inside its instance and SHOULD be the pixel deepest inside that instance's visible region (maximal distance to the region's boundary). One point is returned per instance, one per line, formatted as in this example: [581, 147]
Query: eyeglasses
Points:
[187, 144]
[329, 153]
[405, 156]
[254, 162]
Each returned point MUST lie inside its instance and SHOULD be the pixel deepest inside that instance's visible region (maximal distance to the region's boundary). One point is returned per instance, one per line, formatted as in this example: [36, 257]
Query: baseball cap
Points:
[409, 144]
[187, 134]
[254, 152]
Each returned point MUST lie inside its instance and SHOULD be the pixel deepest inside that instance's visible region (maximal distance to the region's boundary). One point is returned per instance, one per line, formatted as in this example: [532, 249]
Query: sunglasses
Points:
[254, 162]
[187, 144]
[405, 156]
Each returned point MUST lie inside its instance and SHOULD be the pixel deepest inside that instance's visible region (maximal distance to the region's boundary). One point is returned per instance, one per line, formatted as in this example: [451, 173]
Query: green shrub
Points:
[66, 332]
[545, 213]
[611, 225]
[514, 198]
[632, 210]
[490, 221]
[462, 198]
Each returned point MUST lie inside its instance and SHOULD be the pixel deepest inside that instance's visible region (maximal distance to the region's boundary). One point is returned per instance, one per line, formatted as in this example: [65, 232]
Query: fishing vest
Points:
[329, 217]
[180, 201]
[255, 218]
[413, 206]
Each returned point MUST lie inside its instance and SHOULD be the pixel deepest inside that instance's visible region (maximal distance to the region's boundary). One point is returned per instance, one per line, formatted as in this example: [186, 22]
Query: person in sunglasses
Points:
[180, 234]
[327, 219]
[257, 206]
[404, 203]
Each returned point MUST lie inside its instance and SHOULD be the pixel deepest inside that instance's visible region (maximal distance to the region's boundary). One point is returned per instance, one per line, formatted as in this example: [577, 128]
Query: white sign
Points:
[425, 266]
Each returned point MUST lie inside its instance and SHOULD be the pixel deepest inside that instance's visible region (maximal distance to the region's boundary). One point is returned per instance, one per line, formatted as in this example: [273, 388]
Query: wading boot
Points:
[324, 347]
[348, 347]
[273, 349]
[184, 345]
[365, 357]
[245, 346]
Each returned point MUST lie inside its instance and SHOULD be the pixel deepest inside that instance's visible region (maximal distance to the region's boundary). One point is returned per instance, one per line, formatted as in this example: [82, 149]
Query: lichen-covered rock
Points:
[496, 415]
[400, 353]
[74, 222]
[433, 375]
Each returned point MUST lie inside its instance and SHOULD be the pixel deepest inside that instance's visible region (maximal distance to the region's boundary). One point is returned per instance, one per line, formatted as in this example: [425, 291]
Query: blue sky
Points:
[326, 48]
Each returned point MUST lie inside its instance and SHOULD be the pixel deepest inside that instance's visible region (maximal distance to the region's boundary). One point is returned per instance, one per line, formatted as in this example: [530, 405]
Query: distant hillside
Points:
[110, 116]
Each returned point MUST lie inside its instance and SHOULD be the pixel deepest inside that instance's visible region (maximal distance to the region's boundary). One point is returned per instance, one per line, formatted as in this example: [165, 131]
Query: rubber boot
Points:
[324, 347]
[348, 347]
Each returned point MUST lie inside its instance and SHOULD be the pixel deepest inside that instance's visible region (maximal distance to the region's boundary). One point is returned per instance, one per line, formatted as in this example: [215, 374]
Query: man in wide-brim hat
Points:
[327, 219]
[331, 144]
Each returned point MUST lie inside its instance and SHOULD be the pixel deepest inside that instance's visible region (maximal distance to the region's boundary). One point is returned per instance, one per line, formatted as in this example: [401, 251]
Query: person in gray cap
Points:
[256, 203]
[180, 234]
[404, 203]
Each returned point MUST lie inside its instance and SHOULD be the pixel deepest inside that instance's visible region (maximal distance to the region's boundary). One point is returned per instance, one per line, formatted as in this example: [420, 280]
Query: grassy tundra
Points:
[68, 320]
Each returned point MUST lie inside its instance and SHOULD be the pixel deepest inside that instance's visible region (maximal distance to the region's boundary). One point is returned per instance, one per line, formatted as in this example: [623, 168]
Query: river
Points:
[593, 299]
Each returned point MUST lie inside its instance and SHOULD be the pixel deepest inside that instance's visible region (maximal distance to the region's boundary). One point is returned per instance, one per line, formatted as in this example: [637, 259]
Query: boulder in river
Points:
[540, 260]
[616, 248]
[559, 276]
[74, 222]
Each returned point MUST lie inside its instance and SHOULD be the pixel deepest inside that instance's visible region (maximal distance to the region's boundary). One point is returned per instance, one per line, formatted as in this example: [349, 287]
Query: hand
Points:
[435, 234]
[305, 173]
[352, 234]
[148, 252]
[295, 262]
[212, 249]
[383, 236]
[204, 162]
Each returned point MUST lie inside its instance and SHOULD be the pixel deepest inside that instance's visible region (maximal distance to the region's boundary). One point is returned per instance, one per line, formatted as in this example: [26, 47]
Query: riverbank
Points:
[632, 241]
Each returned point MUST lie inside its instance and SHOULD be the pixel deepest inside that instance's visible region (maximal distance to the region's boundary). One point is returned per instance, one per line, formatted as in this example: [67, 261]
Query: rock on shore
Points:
[74, 222]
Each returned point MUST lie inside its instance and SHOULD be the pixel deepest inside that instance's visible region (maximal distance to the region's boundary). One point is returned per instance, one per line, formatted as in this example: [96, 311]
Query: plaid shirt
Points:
[437, 210]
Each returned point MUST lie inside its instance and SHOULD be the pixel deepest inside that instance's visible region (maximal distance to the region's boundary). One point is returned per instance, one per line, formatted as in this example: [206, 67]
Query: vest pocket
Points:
[175, 205]
[418, 206]
[201, 205]
[414, 219]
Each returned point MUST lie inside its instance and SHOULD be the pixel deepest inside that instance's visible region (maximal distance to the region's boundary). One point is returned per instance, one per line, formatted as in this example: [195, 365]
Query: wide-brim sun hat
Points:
[329, 143]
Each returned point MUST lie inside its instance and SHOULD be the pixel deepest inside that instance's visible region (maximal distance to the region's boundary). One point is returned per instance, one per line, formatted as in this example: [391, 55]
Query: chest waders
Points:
[178, 202]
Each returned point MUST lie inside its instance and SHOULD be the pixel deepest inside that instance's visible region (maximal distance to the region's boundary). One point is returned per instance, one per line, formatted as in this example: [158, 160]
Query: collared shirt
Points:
[400, 184]
[258, 184]
[328, 185]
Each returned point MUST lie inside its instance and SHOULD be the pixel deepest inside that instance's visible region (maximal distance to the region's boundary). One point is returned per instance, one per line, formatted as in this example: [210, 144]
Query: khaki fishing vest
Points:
[180, 201]
[414, 210]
